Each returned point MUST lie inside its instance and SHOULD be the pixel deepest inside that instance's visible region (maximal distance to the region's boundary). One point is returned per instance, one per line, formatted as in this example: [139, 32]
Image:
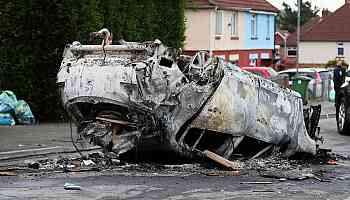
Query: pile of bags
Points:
[13, 110]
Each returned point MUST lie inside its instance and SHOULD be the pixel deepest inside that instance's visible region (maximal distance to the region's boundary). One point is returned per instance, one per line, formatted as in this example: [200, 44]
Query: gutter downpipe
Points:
[285, 46]
[298, 33]
[211, 37]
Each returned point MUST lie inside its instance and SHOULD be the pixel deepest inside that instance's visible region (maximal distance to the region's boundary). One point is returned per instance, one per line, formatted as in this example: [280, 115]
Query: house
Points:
[291, 52]
[240, 31]
[328, 39]
[322, 39]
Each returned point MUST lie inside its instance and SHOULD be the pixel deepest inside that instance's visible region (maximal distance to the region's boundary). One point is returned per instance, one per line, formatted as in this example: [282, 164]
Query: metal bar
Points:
[262, 151]
[124, 123]
[237, 142]
[198, 140]
[298, 35]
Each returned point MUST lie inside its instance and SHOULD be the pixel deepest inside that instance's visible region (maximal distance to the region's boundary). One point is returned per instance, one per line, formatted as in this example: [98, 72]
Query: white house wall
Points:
[321, 52]
[226, 42]
[197, 29]
[200, 33]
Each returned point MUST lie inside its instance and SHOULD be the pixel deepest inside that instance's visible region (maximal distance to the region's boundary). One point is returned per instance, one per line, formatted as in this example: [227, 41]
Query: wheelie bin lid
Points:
[301, 77]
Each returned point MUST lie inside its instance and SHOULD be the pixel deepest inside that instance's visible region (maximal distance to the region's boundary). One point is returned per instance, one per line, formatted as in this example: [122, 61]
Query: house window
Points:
[254, 26]
[292, 52]
[268, 28]
[340, 49]
[219, 22]
[233, 24]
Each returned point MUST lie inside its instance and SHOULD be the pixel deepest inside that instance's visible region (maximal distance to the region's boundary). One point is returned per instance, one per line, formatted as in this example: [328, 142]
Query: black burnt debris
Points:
[271, 164]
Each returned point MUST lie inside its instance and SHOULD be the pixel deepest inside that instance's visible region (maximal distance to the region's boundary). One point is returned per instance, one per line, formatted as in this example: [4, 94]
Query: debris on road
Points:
[271, 165]
[223, 173]
[259, 183]
[222, 161]
[88, 163]
[71, 186]
[8, 173]
[295, 174]
[134, 95]
[34, 165]
[332, 162]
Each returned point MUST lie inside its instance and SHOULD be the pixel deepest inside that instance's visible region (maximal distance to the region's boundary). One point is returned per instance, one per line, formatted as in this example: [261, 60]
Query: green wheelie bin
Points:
[300, 84]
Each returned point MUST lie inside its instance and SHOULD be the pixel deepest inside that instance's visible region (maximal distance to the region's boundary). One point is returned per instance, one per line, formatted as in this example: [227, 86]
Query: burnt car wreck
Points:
[129, 95]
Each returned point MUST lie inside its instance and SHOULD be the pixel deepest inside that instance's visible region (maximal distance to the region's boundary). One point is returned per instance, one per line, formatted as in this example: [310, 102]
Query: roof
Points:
[292, 38]
[258, 5]
[280, 36]
[334, 28]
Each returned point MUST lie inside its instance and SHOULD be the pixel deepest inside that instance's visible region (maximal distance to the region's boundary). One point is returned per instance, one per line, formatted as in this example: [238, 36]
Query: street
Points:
[186, 99]
[177, 182]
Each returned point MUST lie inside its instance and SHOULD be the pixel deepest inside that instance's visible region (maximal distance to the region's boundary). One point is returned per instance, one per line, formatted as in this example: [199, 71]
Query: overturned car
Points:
[129, 95]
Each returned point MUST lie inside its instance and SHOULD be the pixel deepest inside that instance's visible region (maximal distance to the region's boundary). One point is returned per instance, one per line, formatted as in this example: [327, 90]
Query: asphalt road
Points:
[111, 187]
[162, 185]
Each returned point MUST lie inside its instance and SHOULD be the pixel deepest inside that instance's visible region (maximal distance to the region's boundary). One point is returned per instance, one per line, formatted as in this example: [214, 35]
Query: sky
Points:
[332, 5]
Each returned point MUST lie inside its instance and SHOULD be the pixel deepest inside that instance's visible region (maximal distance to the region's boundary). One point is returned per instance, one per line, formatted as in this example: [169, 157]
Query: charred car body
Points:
[124, 96]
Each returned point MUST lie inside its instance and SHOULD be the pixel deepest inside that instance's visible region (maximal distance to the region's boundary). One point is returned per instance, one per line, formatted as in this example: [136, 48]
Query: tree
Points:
[33, 34]
[288, 17]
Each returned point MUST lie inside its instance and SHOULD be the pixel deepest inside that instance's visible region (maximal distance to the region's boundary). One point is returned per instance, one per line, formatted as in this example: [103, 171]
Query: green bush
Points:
[333, 63]
[35, 32]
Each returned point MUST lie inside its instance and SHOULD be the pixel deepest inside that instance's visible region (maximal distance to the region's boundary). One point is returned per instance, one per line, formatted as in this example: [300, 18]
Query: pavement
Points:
[49, 135]
[22, 142]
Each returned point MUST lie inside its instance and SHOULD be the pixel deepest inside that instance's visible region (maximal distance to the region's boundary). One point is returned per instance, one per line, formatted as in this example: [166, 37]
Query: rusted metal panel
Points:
[188, 104]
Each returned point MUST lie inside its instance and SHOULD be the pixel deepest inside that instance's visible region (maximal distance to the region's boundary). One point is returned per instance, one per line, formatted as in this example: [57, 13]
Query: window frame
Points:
[254, 26]
[221, 19]
[340, 47]
[292, 49]
[268, 24]
[233, 23]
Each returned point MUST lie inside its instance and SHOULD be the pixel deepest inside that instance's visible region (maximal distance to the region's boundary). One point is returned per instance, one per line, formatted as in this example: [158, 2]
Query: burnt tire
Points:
[343, 118]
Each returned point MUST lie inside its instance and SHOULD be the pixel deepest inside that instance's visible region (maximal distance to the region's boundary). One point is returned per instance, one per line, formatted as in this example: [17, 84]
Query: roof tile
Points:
[333, 28]
[258, 5]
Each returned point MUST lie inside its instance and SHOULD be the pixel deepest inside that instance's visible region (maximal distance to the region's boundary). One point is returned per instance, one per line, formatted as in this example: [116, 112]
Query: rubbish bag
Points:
[23, 113]
[8, 101]
[332, 96]
[6, 119]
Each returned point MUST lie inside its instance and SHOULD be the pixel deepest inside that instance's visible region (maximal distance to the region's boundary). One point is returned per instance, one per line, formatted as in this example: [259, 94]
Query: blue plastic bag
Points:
[332, 96]
[6, 119]
[23, 113]
[8, 101]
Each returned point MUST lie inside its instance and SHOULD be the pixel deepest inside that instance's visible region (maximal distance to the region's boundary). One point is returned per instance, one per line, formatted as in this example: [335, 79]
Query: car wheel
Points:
[343, 121]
